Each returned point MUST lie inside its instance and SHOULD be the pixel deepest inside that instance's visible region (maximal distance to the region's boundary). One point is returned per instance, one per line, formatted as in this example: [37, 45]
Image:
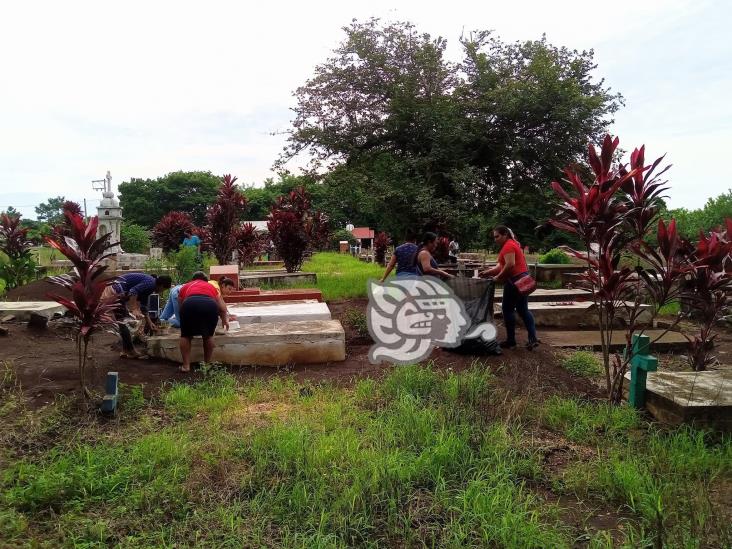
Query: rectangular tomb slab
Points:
[561, 294]
[704, 398]
[280, 313]
[217, 272]
[22, 310]
[274, 295]
[265, 344]
[569, 315]
[663, 340]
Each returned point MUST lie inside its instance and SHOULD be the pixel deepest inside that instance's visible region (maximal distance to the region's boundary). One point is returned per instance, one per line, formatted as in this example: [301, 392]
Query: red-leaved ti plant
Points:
[223, 219]
[442, 251]
[170, 231]
[19, 267]
[295, 229]
[93, 311]
[381, 243]
[249, 244]
[614, 214]
[70, 207]
[704, 293]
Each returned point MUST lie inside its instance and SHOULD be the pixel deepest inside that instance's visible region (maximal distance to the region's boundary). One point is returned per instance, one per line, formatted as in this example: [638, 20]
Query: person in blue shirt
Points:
[192, 240]
[134, 290]
[403, 258]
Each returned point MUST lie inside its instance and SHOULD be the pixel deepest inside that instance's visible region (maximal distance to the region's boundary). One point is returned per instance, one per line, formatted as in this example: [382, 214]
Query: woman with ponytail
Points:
[510, 268]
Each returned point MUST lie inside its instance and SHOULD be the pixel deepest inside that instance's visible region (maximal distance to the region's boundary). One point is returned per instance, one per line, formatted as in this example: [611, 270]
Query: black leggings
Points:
[199, 315]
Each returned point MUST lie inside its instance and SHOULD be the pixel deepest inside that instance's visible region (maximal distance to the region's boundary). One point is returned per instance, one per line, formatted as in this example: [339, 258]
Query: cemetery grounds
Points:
[520, 450]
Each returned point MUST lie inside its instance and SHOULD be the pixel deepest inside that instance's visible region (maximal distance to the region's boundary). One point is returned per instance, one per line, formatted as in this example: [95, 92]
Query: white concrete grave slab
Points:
[265, 344]
[573, 314]
[22, 310]
[280, 312]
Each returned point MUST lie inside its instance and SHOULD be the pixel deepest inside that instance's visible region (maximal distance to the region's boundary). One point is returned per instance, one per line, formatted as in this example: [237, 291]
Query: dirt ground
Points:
[45, 361]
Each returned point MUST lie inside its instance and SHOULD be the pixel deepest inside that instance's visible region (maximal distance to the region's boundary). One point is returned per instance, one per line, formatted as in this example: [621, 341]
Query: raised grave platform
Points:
[575, 314]
[265, 344]
[282, 279]
[286, 312]
[22, 310]
[559, 295]
[217, 272]
[590, 339]
[273, 295]
[704, 398]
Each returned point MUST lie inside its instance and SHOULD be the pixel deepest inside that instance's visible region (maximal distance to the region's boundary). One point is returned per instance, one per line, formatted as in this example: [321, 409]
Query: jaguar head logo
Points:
[408, 317]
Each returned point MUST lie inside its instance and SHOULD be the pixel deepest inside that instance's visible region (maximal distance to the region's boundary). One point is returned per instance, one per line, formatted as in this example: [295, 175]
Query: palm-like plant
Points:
[15, 244]
[223, 220]
[92, 310]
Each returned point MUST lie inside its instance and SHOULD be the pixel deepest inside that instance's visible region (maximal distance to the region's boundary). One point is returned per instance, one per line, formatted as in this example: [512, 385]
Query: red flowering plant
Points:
[19, 267]
[170, 231]
[614, 215]
[88, 302]
[223, 220]
[381, 243]
[249, 244]
[295, 229]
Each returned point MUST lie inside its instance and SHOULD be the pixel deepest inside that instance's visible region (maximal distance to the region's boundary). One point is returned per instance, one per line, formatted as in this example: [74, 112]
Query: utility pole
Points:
[85, 216]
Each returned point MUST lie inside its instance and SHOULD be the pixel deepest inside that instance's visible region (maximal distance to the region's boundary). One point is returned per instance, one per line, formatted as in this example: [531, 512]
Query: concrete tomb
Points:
[273, 295]
[669, 341]
[704, 398]
[573, 314]
[22, 310]
[558, 295]
[265, 344]
[280, 312]
[218, 272]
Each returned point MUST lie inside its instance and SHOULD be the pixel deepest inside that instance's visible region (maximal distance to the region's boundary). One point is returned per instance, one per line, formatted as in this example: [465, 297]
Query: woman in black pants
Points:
[200, 308]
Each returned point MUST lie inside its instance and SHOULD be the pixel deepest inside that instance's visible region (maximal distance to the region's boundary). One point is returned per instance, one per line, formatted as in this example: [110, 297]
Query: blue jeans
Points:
[514, 301]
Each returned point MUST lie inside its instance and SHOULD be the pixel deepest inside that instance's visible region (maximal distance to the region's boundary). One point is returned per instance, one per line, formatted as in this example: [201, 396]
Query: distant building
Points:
[259, 226]
[364, 235]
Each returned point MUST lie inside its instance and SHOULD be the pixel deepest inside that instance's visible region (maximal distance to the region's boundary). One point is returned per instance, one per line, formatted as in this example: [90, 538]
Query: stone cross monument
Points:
[110, 214]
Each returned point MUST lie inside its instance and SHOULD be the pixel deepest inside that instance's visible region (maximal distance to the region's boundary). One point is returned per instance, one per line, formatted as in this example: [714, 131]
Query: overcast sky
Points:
[146, 88]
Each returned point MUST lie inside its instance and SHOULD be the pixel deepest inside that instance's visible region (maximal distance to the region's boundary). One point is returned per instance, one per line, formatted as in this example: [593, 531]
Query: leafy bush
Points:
[19, 266]
[135, 238]
[381, 242]
[249, 244]
[223, 220]
[442, 252]
[295, 229]
[341, 234]
[3, 285]
[356, 319]
[583, 364]
[186, 262]
[555, 256]
[171, 229]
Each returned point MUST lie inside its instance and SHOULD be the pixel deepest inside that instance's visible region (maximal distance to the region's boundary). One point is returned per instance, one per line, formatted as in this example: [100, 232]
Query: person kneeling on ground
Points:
[134, 290]
[200, 306]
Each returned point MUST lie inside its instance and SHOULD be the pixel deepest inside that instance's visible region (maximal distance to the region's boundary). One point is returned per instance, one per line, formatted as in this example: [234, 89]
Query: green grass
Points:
[670, 309]
[582, 363]
[340, 276]
[420, 458]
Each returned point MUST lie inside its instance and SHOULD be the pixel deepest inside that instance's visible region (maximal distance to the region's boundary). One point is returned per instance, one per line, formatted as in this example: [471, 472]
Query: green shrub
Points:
[357, 321]
[186, 262]
[670, 309]
[556, 256]
[3, 285]
[341, 234]
[135, 239]
[583, 364]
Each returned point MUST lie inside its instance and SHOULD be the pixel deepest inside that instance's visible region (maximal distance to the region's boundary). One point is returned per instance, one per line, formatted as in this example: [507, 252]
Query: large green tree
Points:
[145, 201]
[407, 138]
[51, 212]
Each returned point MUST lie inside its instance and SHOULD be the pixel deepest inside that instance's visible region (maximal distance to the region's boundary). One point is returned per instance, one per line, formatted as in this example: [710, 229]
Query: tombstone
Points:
[153, 306]
[641, 363]
[156, 253]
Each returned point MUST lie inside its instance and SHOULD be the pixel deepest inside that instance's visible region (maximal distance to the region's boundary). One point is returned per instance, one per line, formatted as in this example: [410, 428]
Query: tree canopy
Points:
[400, 137]
[145, 201]
[51, 212]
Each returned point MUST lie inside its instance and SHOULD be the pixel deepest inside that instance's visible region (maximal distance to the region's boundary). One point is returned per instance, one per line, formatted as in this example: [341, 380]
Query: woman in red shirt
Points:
[200, 308]
[511, 267]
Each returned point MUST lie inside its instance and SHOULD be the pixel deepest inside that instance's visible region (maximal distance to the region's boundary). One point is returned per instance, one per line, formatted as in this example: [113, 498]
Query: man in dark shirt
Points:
[135, 289]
